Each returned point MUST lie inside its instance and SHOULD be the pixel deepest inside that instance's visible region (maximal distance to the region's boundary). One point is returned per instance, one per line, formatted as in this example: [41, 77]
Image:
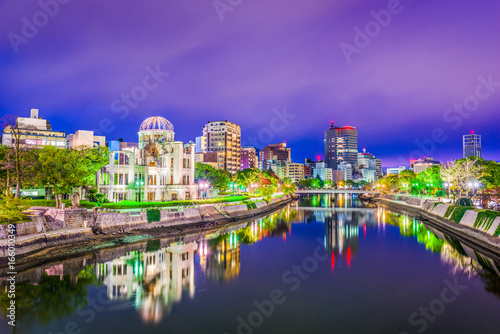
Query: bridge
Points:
[335, 209]
[334, 191]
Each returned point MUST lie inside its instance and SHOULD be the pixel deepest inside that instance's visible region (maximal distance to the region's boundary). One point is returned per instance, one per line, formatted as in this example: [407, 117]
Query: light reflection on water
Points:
[152, 279]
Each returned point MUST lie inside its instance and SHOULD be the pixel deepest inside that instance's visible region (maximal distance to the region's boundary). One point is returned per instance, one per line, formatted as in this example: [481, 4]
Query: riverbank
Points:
[55, 227]
[438, 216]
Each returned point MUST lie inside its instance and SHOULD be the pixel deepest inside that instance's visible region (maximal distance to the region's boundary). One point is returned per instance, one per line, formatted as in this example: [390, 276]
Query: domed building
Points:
[158, 168]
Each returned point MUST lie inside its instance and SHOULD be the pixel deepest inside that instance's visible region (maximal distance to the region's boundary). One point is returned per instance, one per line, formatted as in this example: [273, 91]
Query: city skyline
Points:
[251, 68]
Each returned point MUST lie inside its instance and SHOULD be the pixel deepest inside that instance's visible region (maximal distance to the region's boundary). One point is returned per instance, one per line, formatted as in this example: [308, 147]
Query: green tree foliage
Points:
[218, 178]
[247, 177]
[67, 171]
[288, 187]
[11, 208]
[51, 298]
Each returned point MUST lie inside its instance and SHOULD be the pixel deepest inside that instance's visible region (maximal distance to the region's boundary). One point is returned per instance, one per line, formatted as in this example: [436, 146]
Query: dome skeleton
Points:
[156, 123]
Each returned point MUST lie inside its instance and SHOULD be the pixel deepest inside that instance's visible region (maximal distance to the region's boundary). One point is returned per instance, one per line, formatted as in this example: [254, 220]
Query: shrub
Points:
[154, 215]
[485, 218]
[459, 213]
[251, 205]
[464, 201]
[449, 211]
[67, 202]
[132, 204]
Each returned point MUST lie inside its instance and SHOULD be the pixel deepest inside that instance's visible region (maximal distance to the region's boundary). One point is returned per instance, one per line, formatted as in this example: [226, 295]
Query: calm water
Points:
[309, 268]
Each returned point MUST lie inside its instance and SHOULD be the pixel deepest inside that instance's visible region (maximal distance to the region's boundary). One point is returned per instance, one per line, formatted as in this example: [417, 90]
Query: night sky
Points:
[255, 62]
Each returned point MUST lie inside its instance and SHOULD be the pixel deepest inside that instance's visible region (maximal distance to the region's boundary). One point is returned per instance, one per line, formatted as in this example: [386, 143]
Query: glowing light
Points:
[348, 256]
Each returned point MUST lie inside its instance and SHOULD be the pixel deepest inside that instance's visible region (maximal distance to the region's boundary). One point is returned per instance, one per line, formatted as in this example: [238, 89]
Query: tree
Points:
[11, 208]
[19, 161]
[66, 172]
[460, 172]
[247, 176]
[288, 187]
[406, 180]
[430, 179]
[218, 178]
[389, 182]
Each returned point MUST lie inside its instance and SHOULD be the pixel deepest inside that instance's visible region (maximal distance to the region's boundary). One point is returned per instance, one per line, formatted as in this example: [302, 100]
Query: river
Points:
[320, 265]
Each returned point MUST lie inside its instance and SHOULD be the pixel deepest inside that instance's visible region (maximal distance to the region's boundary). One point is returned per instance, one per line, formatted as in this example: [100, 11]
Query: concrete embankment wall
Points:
[54, 227]
[46, 220]
[440, 213]
[123, 222]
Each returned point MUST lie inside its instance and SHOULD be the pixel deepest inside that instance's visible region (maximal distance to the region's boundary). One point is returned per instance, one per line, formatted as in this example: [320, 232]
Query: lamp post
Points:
[446, 187]
[139, 183]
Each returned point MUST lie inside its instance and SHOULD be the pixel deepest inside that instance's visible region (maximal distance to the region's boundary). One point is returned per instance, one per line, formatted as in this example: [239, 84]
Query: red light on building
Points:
[333, 261]
[472, 132]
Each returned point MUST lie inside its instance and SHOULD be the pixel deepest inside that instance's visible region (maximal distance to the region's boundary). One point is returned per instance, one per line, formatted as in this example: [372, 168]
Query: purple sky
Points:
[264, 55]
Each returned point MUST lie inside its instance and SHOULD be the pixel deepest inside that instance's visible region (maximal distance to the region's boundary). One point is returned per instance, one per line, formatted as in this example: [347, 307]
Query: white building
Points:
[223, 138]
[324, 173]
[159, 169]
[395, 170]
[154, 281]
[35, 133]
[85, 138]
[346, 170]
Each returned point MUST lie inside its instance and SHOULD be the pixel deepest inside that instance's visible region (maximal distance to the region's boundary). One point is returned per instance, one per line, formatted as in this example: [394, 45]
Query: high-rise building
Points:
[322, 171]
[341, 145]
[249, 157]
[295, 171]
[224, 137]
[275, 155]
[472, 145]
[34, 133]
[369, 167]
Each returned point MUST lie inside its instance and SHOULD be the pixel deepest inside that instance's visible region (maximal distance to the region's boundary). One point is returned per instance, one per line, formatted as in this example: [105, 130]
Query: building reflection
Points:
[220, 257]
[341, 233]
[156, 280]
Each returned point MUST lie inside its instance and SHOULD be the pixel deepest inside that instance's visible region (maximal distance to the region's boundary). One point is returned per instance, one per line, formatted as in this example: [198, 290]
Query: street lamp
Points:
[139, 183]
[446, 186]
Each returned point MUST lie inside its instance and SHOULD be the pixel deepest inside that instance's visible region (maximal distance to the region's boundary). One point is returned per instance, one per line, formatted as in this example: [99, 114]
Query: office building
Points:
[275, 155]
[322, 171]
[249, 158]
[369, 167]
[223, 137]
[34, 133]
[472, 145]
[295, 172]
[341, 145]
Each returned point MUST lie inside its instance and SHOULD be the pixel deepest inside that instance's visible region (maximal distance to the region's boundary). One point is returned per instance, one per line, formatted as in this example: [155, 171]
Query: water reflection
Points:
[152, 279]
[155, 280]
